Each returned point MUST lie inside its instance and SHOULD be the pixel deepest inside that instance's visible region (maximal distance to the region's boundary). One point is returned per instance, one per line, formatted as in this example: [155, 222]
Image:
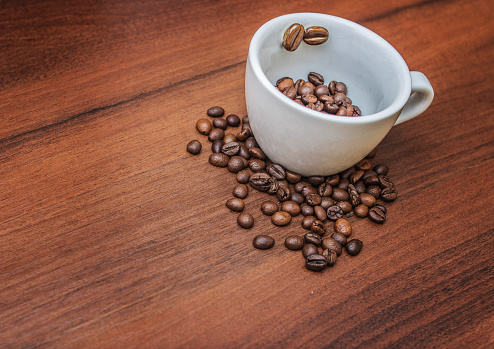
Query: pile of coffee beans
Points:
[329, 99]
[295, 34]
[325, 202]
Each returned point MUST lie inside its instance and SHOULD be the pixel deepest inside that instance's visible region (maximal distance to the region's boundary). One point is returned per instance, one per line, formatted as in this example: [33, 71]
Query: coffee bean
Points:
[294, 242]
[293, 37]
[260, 181]
[367, 199]
[331, 107]
[354, 196]
[340, 194]
[384, 181]
[316, 79]
[240, 191]
[334, 180]
[346, 173]
[326, 202]
[337, 87]
[308, 190]
[363, 165]
[243, 176]
[263, 242]
[257, 165]
[277, 171]
[316, 35]
[353, 247]
[229, 137]
[235, 204]
[361, 211]
[343, 226]
[194, 147]
[245, 119]
[216, 133]
[340, 100]
[204, 126]
[291, 207]
[313, 199]
[355, 177]
[292, 177]
[375, 191]
[372, 154]
[322, 93]
[320, 213]
[316, 262]
[220, 123]
[334, 212]
[217, 145]
[219, 159]
[284, 84]
[231, 148]
[269, 207]
[344, 183]
[307, 222]
[216, 111]
[274, 186]
[298, 198]
[236, 164]
[371, 180]
[331, 244]
[245, 220]
[360, 187]
[377, 215]
[389, 194]
[346, 206]
[317, 227]
[309, 250]
[306, 209]
[233, 120]
[244, 152]
[381, 169]
[325, 189]
[312, 238]
[283, 193]
[331, 256]
[315, 180]
[341, 238]
[382, 208]
[251, 142]
[244, 134]
[281, 218]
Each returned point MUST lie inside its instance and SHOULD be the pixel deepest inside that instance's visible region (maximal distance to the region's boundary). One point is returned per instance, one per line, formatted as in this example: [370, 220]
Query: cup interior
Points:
[376, 75]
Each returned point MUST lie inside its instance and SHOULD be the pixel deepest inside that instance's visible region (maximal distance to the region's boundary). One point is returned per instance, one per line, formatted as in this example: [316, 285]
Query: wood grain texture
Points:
[111, 235]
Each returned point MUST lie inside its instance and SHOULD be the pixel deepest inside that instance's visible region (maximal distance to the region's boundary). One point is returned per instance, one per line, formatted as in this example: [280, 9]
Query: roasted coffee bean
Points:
[326, 202]
[306, 209]
[299, 186]
[246, 126]
[389, 194]
[343, 226]
[361, 211]
[382, 208]
[229, 137]
[316, 35]
[360, 187]
[342, 111]
[316, 262]
[331, 256]
[236, 164]
[233, 120]
[367, 199]
[363, 165]
[307, 222]
[290, 92]
[331, 107]
[354, 195]
[317, 227]
[372, 154]
[341, 238]
[263, 242]
[251, 142]
[194, 147]
[291, 207]
[243, 176]
[333, 181]
[344, 183]
[245, 119]
[331, 244]
[292, 177]
[260, 181]
[220, 123]
[257, 153]
[368, 174]
[269, 207]
[281, 218]
[312, 238]
[346, 206]
[306, 88]
[385, 182]
[315, 180]
[293, 37]
[231, 148]
[273, 188]
[240, 191]
[277, 171]
[371, 180]
[313, 199]
[337, 87]
[204, 126]
[308, 190]
[325, 189]
[294, 242]
[243, 135]
[353, 247]
[315, 78]
[334, 212]
[309, 250]
[381, 169]
[235, 204]
[356, 111]
[298, 198]
[377, 215]
[216, 133]
[347, 173]
[245, 220]
[219, 159]
[355, 176]
[244, 152]
[217, 145]
[375, 191]
[283, 193]
[340, 194]
[320, 213]
[257, 165]
[340, 100]
[216, 111]
[309, 98]
[284, 84]
[320, 91]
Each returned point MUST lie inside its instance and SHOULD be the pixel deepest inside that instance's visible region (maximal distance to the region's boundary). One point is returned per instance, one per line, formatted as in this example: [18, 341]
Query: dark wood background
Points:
[111, 235]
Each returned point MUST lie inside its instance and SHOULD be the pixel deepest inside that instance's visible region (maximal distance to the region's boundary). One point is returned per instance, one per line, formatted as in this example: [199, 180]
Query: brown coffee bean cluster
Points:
[314, 94]
[325, 202]
[295, 34]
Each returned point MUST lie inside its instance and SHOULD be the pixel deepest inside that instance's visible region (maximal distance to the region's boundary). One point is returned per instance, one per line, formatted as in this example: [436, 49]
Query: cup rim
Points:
[253, 59]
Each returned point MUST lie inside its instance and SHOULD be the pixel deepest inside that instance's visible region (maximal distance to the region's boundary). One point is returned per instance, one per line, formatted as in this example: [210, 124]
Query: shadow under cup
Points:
[377, 79]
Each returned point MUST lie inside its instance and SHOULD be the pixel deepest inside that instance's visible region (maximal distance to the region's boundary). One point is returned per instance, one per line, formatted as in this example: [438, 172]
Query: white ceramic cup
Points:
[313, 143]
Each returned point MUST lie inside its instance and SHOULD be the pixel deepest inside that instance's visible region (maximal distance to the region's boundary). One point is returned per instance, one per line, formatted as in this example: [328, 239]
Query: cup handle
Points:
[420, 98]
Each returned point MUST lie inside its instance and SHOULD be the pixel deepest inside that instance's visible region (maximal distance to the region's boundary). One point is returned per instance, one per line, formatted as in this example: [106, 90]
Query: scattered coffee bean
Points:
[217, 145]
[327, 202]
[367, 199]
[353, 247]
[341, 238]
[343, 226]
[294, 242]
[269, 207]
[215, 134]
[346, 206]
[292, 177]
[257, 165]
[293, 37]
[375, 191]
[219, 159]
[353, 194]
[276, 171]
[236, 164]
[194, 147]
[320, 213]
[361, 211]
[233, 120]
[243, 176]
[307, 222]
[325, 189]
[281, 218]
[298, 198]
[220, 123]
[331, 256]
[331, 244]
[231, 148]
[263, 242]
[334, 212]
[309, 250]
[381, 169]
[283, 193]
[204, 126]
[216, 111]
[317, 227]
[377, 215]
[235, 204]
[389, 194]
[245, 220]
[260, 181]
[316, 35]
[312, 238]
[316, 262]
[291, 207]
[340, 194]
[240, 191]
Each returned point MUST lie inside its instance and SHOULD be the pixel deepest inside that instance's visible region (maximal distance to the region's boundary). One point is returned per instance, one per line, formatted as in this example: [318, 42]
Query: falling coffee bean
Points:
[316, 35]
[293, 37]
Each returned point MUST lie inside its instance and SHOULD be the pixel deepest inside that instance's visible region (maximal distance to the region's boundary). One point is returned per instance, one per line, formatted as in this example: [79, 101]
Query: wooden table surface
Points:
[112, 235]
